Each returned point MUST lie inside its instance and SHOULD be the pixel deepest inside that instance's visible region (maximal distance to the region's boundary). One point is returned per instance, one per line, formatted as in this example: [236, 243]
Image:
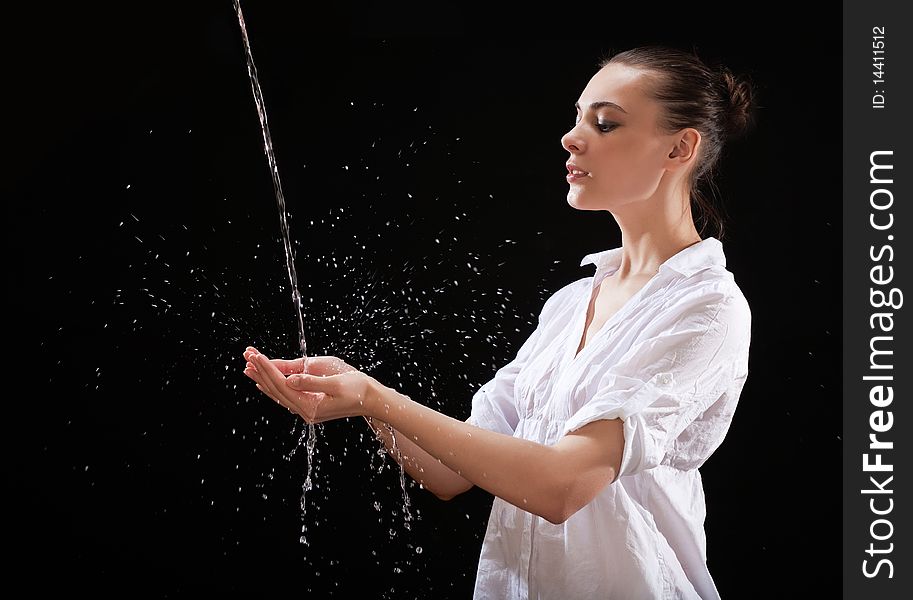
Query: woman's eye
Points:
[605, 127]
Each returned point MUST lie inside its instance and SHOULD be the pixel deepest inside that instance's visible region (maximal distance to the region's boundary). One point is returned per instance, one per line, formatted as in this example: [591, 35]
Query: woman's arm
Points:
[553, 482]
[434, 475]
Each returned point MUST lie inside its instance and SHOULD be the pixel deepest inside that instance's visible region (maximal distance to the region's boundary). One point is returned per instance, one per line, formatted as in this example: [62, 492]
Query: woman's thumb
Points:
[307, 383]
[296, 382]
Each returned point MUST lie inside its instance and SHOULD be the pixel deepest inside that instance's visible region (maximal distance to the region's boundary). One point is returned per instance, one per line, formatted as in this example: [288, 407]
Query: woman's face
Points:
[615, 141]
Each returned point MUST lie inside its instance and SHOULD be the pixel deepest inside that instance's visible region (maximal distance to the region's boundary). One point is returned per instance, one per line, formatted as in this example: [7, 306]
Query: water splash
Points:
[283, 222]
[407, 514]
[307, 485]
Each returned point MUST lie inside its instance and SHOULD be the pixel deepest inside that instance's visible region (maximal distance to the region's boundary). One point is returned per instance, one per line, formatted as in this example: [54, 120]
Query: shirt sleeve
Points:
[664, 382]
[494, 406]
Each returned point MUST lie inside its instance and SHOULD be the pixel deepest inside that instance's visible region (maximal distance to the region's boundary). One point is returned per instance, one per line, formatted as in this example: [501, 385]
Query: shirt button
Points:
[665, 378]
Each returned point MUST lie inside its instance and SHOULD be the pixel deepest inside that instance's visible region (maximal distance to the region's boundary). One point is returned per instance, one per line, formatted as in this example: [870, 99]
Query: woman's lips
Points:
[575, 173]
[576, 176]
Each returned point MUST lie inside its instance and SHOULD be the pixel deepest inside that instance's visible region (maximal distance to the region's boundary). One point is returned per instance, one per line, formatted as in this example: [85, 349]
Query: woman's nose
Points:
[571, 142]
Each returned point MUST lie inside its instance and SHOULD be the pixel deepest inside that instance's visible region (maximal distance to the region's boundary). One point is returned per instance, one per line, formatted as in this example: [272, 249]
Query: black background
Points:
[419, 153]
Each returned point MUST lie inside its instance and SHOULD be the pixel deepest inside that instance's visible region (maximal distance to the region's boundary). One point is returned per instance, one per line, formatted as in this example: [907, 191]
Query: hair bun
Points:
[740, 93]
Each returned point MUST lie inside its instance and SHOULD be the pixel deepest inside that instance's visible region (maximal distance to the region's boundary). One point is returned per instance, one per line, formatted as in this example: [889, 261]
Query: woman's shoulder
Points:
[565, 295]
[713, 290]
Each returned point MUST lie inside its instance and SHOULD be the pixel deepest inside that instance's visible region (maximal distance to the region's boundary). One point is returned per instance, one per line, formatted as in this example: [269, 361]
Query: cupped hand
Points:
[329, 389]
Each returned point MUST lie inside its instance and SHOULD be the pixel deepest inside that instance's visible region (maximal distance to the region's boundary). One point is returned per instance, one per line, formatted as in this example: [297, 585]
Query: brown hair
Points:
[713, 100]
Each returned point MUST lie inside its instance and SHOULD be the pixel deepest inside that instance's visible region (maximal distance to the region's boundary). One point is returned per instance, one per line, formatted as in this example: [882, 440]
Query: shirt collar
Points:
[697, 257]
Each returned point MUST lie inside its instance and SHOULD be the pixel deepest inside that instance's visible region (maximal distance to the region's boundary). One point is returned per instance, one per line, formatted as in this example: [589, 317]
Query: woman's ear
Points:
[685, 147]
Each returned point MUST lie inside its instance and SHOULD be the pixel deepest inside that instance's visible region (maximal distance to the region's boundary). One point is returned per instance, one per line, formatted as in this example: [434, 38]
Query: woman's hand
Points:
[330, 388]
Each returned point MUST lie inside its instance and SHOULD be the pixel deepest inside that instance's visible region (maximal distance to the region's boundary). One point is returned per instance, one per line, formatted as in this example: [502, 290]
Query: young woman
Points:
[591, 438]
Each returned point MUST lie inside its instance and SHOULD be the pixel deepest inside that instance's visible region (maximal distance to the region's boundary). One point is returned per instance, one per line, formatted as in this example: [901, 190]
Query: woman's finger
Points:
[253, 374]
[248, 355]
[274, 381]
[267, 375]
[326, 366]
[287, 367]
[275, 398]
[314, 383]
[261, 383]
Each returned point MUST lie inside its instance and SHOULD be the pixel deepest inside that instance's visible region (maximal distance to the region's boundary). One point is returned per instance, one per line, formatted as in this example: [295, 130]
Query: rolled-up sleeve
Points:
[667, 380]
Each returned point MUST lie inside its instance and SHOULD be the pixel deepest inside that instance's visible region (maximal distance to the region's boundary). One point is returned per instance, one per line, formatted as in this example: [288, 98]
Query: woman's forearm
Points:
[519, 471]
[434, 476]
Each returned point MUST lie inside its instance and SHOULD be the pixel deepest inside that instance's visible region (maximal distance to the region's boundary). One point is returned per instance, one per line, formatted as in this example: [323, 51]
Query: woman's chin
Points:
[576, 200]
[589, 201]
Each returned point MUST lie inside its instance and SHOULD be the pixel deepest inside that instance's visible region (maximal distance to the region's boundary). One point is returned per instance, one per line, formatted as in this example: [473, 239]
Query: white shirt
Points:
[671, 363]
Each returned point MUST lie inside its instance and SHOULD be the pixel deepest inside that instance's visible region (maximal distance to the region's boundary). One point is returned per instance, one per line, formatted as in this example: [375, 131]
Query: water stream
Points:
[293, 278]
[287, 244]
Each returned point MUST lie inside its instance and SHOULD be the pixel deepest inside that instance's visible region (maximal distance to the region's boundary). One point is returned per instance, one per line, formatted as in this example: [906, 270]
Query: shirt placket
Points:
[525, 555]
[578, 324]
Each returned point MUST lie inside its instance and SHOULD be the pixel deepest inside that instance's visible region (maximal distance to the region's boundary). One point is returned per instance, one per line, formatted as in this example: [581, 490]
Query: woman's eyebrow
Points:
[602, 104]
